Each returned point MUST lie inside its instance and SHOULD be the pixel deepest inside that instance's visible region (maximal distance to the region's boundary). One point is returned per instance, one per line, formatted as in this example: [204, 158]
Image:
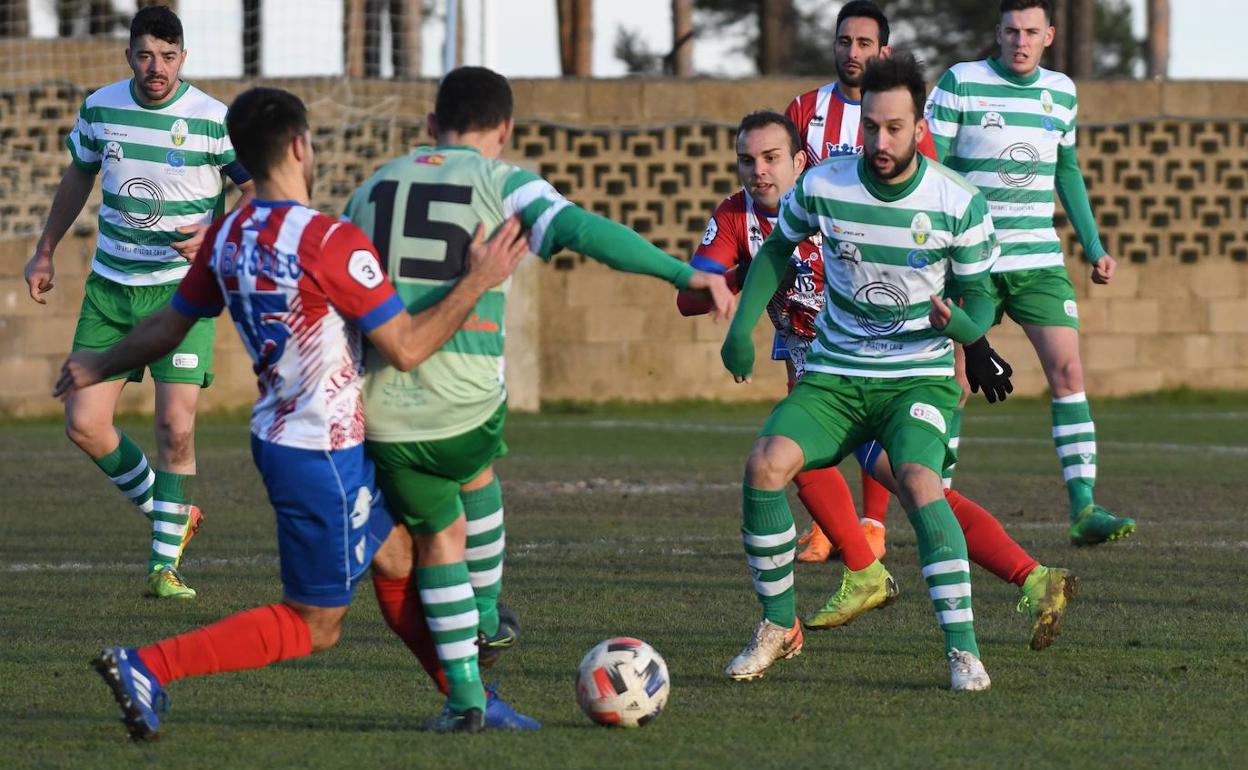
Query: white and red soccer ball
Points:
[622, 682]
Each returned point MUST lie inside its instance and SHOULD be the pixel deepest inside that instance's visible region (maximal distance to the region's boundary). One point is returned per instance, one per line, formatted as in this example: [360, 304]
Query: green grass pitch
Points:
[624, 520]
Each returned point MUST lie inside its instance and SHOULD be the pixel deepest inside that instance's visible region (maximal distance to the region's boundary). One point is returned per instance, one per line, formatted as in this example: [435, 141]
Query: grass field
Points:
[625, 520]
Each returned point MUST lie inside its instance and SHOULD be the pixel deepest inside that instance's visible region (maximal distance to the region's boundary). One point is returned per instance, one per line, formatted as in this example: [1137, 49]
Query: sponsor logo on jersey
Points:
[431, 160]
[917, 258]
[1071, 308]
[179, 132]
[817, 120]
[847, 252]
[992, 120]
[712, 229]
[144, 204]
[113, 152]
[113, 132]
[1048, 124]
[756, 235]
[476, 323]
[185, 360]
[365, 269]
[888, 308]
[920, 228]
[840, 149]
[1018, 164]
[1046, 102]
[928, 414]
[175, 160]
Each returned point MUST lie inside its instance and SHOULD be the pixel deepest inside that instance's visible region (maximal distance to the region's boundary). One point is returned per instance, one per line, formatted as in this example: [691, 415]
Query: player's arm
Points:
[718, 253]
[405, 340]
[692, 302]
[1073, 192]
[972, 254]
[71, 196]
[944, 114]
[794, 224]
[554, 222]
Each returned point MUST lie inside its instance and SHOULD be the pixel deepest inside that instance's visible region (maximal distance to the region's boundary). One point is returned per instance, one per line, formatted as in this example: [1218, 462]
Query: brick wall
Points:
[1166, 164]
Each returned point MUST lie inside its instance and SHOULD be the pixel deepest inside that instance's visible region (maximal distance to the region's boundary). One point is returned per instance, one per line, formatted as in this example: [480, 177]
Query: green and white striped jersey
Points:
[1003, 132]
[161, 170]
[421, 211]
[886, 250]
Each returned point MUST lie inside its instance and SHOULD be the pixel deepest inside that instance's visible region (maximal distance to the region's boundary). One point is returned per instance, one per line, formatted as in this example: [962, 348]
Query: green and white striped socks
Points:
[1074, 435]
[486, 542]
[955, 438]
[451, 612]
[770, 539]
[942, 552]
[127, 468]
[171, 515]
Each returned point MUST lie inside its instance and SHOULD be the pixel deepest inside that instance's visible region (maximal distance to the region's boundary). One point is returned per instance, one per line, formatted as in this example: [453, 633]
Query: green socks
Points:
[451, 612]
[127, 468]
[942, 552]
[1074, 436]
[486, 542]
[770, 540]
[171, 515]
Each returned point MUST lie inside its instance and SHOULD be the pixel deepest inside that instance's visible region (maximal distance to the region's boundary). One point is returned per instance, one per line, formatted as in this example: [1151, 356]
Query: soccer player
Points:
[160, 147]
[303, 290]
[435, 432]
[893, 224]
[1008, 125]
[828, 118]
[769, 160]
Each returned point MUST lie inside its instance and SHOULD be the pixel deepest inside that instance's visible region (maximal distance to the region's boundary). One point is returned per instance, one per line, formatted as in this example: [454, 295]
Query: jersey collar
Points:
[1010, 77]
[836, 87]
[134, 94]
[891, 192]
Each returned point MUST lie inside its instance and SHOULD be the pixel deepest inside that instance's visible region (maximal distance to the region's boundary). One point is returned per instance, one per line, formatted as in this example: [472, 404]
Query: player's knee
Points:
[1066, 377]
[324, 626]
[176, 434]
[770, 466]
[85, 430]
[917, 485]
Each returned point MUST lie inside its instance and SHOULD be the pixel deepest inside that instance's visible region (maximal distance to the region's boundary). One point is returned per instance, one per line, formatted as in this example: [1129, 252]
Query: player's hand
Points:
[987, 370]
[39, 272]
[80, 370]
[940, 314]
[492, 262]
[738, 356]
[188, 248]
[725, 301]
[1103, 270]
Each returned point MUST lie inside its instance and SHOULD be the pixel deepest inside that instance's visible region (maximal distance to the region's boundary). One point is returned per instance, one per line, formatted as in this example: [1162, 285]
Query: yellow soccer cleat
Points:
[166, 583]
[860, 592]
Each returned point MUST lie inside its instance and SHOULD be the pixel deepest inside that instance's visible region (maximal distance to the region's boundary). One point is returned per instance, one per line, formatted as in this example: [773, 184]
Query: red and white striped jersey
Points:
[302, 289]
[829, 125]
[737, 229]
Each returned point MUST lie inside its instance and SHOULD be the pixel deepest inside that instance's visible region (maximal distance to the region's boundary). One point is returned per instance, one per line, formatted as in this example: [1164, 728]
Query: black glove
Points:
[988, 370]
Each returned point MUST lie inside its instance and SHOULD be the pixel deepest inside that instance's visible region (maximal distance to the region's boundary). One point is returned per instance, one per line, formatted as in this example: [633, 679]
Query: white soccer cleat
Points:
[966, 672]
[770, 643]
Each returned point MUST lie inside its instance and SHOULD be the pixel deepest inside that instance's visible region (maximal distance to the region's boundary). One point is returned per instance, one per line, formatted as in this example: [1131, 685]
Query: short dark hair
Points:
[764, 118]
[867, 10]
[261, 122]
[1022, 5]
[159, 21]
[472, 99]
[901, 70]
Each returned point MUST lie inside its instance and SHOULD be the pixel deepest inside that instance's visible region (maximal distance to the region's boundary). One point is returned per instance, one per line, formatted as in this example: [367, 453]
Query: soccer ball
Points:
[622, 682]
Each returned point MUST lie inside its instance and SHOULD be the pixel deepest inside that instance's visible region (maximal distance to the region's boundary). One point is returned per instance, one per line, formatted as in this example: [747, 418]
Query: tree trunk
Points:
[406, 17]
[14, 20]
[251, 38]
[1159, 39]
[775, 36]
[576, 37]
[353, 39]
[373, 9]
[1059, 52]
[682, 38]
[1082, 38]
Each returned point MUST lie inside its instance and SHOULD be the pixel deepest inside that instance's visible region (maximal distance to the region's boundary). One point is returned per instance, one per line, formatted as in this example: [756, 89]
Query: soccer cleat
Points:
[966, 672]
[499, 715]
[1094, 525]
[192, 527]
[166, 583]
[1045, 593]
[770, 643]
[467, 721]
[489, 649]
[859, 593]
[818, 547]
[134, 688]
[873, 531]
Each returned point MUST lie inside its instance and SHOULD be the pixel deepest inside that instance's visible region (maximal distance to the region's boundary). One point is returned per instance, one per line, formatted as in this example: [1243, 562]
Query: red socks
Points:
[874, 497]
[826, 495]
[406, 617]
[250, 639]
[987, 543]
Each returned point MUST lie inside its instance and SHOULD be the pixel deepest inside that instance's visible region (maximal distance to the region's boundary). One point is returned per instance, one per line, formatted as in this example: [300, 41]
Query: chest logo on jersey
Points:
[1018, 164]
[920, 228]
[142, 204]
[917, 258]
[712, 229]
[847, 252]
[113, 152]
[179, 132]
[992, 120]
[755, 236]
[1046, 102]
[817, 120]
[431, 160]
[841, 149]
[881, 308]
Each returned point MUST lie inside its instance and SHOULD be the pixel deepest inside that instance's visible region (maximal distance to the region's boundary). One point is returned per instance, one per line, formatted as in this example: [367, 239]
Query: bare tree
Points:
[251, 38]
[1081, 24]
[353, 19]
[1059, 52]
[777, 26]
[576, 37]
[1158, 39]
[682, 38]
[14, 21]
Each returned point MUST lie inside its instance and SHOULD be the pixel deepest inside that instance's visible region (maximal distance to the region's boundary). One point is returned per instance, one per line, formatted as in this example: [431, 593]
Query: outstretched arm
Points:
[155, 337]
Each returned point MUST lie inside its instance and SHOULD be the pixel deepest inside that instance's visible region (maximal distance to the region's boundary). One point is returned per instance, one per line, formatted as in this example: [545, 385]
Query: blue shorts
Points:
[330, 518]
[868, 454]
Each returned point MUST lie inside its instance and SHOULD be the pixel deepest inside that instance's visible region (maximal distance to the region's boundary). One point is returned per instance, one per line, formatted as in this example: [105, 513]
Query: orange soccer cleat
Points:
[874, 532]
[818, 547]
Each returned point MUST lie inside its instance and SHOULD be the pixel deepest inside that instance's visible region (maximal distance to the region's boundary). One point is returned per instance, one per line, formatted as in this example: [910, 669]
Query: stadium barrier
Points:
[1166, 164]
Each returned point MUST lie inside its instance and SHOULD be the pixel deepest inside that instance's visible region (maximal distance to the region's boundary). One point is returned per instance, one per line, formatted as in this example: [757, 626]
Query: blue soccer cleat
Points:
[499, 715]
[134, 688]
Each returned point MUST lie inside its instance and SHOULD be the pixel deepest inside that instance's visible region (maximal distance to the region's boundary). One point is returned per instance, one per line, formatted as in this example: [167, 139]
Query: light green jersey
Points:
[1005, 133]
[421, 211]
[160, 169]
[886, 250]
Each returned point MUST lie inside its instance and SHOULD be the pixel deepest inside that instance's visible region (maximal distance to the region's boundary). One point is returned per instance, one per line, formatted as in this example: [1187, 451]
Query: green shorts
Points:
[421, 479]
[110, 310]
[1041, 297]
[830, 415]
